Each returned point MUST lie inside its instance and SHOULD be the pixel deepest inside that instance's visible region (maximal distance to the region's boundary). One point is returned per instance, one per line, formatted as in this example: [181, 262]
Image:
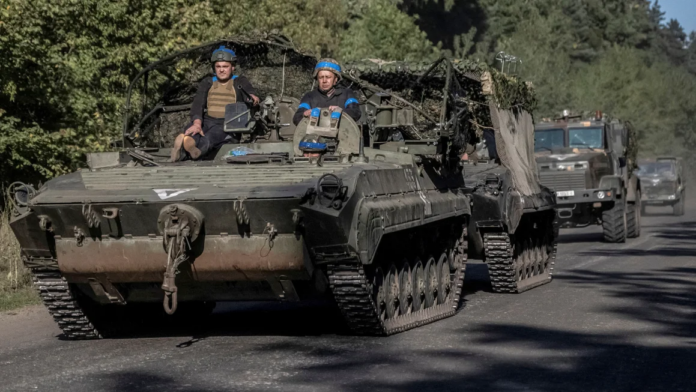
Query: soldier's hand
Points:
[255, 99]
[194, 130]
[333, 108]
[307, 113]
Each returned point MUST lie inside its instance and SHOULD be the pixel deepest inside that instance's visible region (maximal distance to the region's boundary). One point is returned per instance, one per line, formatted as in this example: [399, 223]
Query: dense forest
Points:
[66, 63]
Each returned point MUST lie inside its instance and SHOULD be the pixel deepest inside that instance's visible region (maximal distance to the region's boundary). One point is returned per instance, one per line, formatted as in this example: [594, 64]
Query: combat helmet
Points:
[328, 65]
[223, 54]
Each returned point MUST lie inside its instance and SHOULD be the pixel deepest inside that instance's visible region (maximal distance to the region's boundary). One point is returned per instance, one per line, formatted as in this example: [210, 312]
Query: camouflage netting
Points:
[631, 149]
[478, 99]
[423, 84]
[271, 63]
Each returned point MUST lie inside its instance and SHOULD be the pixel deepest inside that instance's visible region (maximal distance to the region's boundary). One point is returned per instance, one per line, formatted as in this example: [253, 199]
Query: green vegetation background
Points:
[66, 63]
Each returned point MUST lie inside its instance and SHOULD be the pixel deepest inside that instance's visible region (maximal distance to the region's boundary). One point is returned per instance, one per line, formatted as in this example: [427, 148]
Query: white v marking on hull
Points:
[169, 193]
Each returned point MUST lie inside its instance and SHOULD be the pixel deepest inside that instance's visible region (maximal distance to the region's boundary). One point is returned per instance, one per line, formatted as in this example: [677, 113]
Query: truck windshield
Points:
[655, 168]
[585, 138]
[548, 139]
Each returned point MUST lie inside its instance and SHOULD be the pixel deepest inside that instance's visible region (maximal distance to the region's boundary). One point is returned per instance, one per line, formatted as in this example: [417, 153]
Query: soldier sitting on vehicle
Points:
[206, 132]
[326, 94]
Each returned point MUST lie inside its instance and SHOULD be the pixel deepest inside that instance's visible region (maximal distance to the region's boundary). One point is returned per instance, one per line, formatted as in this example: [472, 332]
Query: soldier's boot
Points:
[190, 146]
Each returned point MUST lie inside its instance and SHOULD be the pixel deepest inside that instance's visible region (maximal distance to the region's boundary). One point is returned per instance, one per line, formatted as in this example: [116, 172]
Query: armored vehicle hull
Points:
[100, 237]
[382, 225]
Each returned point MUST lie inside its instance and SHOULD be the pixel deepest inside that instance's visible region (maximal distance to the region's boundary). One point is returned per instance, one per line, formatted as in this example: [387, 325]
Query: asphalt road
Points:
[615, 318]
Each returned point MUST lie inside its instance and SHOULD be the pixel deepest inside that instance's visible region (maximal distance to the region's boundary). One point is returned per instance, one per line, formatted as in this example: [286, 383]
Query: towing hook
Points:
[170, 302]
[565, 213]
[179, 225]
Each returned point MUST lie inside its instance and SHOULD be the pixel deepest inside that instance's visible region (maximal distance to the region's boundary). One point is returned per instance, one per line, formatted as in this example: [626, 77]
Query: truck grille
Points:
[563, 180]
[664, 188]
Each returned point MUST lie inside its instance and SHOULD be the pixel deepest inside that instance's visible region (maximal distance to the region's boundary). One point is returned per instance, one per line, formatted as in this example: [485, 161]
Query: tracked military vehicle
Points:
[380, 221]
[590, 165]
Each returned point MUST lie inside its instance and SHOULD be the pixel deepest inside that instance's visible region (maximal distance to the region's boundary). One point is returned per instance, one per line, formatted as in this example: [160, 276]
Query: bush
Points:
[15, 281]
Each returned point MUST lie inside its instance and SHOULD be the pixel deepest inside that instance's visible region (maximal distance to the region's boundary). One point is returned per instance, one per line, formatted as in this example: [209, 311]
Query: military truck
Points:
[379, 222]
[590, 164]
[663, 183]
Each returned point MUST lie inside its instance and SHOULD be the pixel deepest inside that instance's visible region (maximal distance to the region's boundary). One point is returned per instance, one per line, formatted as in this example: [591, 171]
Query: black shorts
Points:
[213, 136]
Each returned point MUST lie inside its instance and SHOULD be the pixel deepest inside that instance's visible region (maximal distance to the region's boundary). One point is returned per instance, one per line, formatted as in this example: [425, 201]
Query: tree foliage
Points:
[67, 63]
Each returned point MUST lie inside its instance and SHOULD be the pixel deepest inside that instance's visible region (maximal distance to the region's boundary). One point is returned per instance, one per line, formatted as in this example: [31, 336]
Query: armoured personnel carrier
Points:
[590, 165]
[381, 221]
[663, 183]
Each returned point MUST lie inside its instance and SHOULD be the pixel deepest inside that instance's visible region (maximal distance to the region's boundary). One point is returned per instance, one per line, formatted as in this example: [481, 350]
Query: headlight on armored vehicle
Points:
[600, 195]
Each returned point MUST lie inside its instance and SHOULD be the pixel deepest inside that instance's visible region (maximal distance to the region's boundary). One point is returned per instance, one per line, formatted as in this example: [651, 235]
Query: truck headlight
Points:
[600, 195]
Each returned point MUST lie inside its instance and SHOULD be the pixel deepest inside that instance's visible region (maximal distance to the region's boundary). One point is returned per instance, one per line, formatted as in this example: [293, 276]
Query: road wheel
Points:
[614, 222]
[679, 207]
[391, 283]
[418, 275]
[431, 279]
[633, 217]
[444, 283]
[405, 288]
[379, 293]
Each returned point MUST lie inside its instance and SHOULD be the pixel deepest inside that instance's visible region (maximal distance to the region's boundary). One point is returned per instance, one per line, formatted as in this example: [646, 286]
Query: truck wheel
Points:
[633, 218]
[679, 207]
[614, 223]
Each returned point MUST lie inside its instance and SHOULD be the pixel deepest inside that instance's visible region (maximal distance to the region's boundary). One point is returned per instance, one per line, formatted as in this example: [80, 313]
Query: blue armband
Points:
[304, 105]
[350, 100]
[313, 146]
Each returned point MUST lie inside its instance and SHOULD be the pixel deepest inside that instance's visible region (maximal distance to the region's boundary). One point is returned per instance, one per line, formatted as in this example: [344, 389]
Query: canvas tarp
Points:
[514, 139]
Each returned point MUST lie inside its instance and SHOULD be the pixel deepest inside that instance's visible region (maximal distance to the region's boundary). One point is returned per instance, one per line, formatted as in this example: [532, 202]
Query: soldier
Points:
[327, 95]
[206, 132]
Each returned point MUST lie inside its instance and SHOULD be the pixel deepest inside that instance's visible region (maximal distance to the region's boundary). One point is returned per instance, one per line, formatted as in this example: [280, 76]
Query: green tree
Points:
[379, 29]
[66, 64]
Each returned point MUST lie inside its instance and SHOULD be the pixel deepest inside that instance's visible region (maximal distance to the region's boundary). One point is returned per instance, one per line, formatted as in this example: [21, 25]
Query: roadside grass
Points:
[16, 288]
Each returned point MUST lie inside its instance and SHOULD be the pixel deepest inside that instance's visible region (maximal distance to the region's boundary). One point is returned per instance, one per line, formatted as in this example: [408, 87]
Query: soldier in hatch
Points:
[206, 132]
[327, 95]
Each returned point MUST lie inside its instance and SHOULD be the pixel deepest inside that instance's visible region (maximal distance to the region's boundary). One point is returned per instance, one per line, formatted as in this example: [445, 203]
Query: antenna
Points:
[509, 60]
[282, 87]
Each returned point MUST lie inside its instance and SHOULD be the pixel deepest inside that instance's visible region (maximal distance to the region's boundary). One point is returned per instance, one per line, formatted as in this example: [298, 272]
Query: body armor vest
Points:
[220, 96]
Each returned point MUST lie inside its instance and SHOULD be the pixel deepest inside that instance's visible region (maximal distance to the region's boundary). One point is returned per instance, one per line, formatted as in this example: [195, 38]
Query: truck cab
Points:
[588, 163]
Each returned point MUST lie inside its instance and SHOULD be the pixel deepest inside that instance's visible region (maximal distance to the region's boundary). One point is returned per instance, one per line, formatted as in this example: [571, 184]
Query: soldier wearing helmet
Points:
[326, 95]
[206, 132]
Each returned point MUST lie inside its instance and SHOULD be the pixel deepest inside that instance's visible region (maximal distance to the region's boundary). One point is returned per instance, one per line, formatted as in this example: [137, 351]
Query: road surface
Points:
[615, 318]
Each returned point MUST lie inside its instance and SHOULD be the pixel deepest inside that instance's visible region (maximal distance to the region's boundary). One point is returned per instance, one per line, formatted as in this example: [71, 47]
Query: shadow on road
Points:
[526, 358]
[641, 336]
[569, 236]
[654, 349]
[138, 380]
[235, 319]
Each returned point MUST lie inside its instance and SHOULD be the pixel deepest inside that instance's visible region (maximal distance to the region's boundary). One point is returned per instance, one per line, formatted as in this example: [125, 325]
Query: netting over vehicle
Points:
[163, 91]
[451, 96]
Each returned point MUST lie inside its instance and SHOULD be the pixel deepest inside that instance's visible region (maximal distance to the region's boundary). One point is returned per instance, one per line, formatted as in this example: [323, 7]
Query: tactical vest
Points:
[220, 96]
